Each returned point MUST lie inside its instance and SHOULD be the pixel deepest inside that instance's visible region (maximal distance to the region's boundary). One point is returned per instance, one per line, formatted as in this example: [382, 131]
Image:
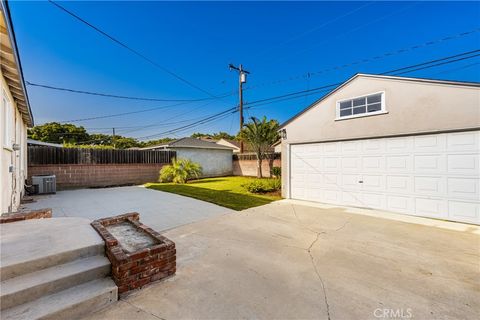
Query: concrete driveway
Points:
[286, 260]
[159, 210]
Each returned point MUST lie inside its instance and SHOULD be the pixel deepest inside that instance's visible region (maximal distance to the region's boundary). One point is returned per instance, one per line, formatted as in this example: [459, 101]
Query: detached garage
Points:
[405, 145]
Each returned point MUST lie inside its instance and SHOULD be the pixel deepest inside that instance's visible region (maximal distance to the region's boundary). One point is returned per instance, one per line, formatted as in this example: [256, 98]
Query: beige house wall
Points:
[411, 106]
[12, 183]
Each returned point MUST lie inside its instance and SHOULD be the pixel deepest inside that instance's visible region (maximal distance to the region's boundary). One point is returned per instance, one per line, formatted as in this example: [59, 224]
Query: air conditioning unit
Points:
[46, 183]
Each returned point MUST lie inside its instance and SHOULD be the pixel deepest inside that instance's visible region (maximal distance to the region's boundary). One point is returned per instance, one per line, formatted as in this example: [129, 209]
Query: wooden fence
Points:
[38, 155]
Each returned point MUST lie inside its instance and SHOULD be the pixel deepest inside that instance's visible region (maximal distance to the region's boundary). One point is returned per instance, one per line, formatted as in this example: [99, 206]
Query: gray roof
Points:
[190, 143]
[43, 144]
[366, 75]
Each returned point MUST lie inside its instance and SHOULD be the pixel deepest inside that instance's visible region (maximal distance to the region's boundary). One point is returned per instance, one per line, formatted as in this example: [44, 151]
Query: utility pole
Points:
[113, 137]
[242, 78]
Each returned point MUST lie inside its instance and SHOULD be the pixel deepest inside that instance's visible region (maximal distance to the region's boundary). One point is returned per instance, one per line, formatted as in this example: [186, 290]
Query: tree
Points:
[58, 133]
[260, 135]
[214, 136]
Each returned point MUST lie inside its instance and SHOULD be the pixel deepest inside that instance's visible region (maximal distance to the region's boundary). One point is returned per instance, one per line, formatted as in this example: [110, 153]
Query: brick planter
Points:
[138, 254]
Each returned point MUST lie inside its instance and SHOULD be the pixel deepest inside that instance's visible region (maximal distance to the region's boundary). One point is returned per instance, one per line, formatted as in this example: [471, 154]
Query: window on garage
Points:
[361, 106]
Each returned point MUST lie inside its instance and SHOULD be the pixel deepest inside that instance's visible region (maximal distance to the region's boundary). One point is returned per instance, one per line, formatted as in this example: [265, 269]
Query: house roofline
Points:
[8, 20]
[378, 76]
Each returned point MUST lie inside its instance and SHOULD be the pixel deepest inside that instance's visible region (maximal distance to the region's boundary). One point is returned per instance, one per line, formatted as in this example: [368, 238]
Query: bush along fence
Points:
[83, 168]
[245, 164]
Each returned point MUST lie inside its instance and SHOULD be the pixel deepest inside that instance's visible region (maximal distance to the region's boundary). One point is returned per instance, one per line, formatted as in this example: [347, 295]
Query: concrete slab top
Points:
[158, 210]
[29, 240]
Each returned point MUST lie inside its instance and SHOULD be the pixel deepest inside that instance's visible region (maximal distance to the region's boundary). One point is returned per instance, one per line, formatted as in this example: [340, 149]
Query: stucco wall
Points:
[214, 162]
[413, 107]
[12, 183]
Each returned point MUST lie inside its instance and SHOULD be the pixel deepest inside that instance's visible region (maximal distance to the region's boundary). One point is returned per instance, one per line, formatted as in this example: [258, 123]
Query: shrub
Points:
[276, 172]
[180, 171]
[263, 185]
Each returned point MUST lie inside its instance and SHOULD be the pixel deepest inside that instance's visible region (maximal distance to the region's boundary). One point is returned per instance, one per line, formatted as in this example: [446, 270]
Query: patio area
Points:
[288, 260]
[159, 210]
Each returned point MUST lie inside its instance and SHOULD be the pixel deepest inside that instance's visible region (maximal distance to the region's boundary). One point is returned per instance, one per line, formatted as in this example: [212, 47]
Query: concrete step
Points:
[69, 304]
[31, 286]
[32, 245]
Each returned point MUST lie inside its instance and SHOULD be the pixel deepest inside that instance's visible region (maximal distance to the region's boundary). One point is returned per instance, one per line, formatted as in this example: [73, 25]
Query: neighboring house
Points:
[216, 160]
[36, 143]
[405, 145]
[15, 117]
[235, 145]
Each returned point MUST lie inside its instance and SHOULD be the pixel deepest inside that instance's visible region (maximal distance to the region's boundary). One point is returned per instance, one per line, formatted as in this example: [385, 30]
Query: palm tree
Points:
[260, 135]
[180, 171]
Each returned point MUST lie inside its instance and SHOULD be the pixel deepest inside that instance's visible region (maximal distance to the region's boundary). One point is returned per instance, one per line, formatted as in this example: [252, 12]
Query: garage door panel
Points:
[435, 186]
[331, 196]
[352, 198]
[331, 164]
[399, 163]
[373, 164]
[373, 146]
[430, 163]
[467, 164]
[399, 184]
[434, 175]
[399, 145]
[350, 181]
[464, 188]
[374, 200]
[351, 147]
[464, 211]
[403, 204]
[373, 182]
[351, 164]
[463, 141]
[331, 148]
[436, 208]
[430, 143]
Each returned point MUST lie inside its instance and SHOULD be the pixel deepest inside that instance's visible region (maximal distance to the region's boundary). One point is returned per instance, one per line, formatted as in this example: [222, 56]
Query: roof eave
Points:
[8, 20]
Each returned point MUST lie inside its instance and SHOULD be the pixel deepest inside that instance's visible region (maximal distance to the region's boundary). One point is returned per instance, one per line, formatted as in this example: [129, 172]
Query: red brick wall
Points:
[98, 175]
[249, 167]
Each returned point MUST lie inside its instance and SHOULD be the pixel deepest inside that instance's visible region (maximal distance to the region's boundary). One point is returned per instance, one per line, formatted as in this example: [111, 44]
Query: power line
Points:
[425, 65]
[122, 44]
[293, 95]
[366, 60]
[106, 94]
[123, 113]
[189, 126]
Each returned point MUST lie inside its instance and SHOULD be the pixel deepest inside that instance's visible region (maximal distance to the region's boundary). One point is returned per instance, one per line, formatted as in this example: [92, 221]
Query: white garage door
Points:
[426, 175]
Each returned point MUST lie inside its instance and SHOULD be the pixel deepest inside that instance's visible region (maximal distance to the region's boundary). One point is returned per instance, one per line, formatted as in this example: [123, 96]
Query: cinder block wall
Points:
[98, 175]
[249, 167]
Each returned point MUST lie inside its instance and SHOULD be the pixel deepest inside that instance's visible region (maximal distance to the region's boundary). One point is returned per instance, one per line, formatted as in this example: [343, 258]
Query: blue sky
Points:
[273, 40]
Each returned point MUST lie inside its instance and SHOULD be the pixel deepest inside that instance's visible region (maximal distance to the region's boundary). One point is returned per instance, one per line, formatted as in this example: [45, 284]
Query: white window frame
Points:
[383, 109]
[8, 121]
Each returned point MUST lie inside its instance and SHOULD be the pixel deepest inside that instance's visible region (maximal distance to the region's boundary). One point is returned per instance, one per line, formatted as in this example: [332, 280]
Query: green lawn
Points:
[225, 191]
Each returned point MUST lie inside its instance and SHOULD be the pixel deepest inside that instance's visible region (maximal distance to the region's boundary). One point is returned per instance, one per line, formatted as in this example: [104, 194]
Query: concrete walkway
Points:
[159, 210]
[290, 261]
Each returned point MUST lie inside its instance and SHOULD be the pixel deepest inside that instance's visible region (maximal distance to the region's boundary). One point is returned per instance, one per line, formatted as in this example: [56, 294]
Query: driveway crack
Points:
[143, 310]
[309, 251]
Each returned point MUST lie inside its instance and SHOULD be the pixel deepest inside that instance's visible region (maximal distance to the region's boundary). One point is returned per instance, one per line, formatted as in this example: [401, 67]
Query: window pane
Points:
[374, 98]
[346, 104]
[374, 107]
[359, 110]
[345, 112]
[359, 102]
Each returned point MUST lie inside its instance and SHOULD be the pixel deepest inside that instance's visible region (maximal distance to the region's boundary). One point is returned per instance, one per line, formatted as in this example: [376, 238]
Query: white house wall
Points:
[12, 183]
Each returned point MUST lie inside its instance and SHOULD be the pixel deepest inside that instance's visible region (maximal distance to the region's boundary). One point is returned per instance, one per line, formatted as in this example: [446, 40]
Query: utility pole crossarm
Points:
[242, 78]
